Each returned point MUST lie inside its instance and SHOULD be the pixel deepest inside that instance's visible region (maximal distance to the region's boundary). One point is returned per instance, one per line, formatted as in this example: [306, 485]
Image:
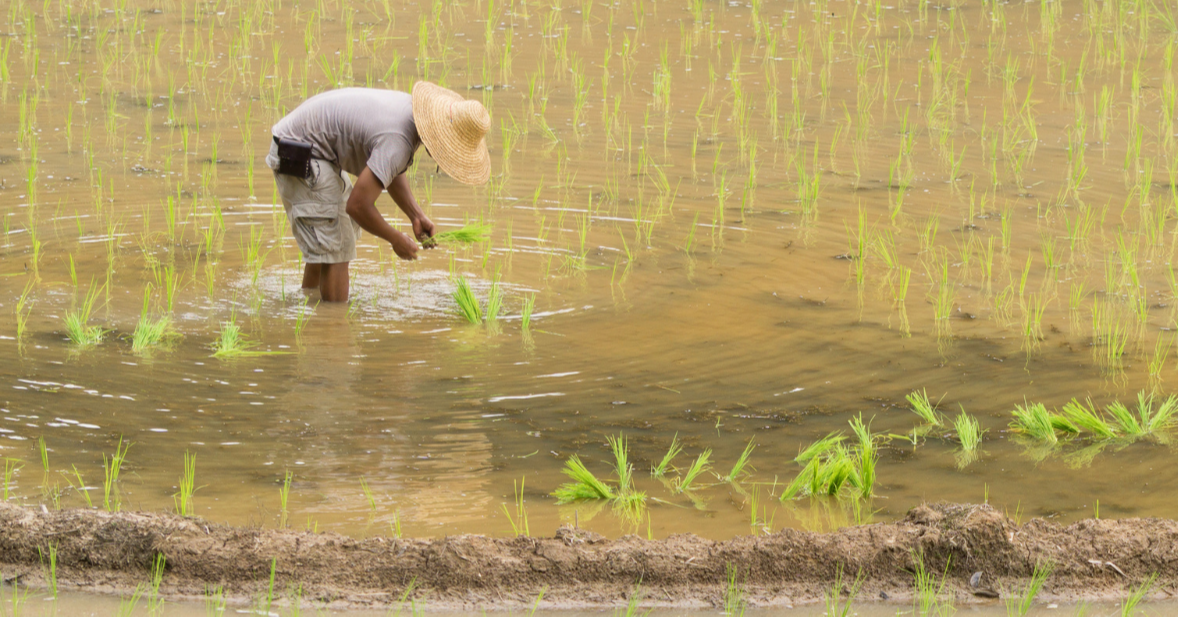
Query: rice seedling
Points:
[920, 404]
[836, 606]
[1020, 605]
[1129, 606]
[1148, 419]
[128, 604]
[866, 458]
[698, 466]
[111, 467]
[929, 598]
[1036, 423]
[820, 447]
[518, 520]
[529, 306]
[231, 343]
[44, 452]
[155, 601]
[49, 554]
[584, 487]
[969, 431]
[734, 601]
[77, 321]
[368, 496]
[494, 301]
[284, 501]
[660, 470]
[1087, 419]
[22, 309]
[186, 486]
[468, 305]
[151, 332]
[739, 467]
[471, 233]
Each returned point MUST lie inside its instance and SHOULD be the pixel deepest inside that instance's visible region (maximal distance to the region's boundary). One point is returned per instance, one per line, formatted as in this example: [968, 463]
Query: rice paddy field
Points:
[748, 266]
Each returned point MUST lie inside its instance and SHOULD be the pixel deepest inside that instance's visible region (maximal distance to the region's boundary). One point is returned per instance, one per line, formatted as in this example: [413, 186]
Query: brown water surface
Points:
[713, 204]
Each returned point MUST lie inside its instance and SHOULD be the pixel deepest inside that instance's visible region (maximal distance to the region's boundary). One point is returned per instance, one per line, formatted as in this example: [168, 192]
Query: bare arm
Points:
[362, 208]
[403, 196]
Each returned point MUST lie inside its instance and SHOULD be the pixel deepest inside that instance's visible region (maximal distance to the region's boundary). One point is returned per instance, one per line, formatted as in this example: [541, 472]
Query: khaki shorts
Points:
[316, 208]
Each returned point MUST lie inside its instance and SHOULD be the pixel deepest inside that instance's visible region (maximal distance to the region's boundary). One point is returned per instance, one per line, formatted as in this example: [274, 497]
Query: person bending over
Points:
[371, 134]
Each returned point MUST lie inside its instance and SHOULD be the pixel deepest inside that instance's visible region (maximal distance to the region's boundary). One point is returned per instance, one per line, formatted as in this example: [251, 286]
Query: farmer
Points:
[371, 134]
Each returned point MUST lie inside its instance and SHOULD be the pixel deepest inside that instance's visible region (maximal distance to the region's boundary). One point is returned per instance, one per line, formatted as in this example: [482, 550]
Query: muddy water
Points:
[655, 209]
[73, 604]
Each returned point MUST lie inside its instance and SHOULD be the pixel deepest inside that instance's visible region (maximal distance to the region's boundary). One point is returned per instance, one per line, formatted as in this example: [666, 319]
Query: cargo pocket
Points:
[317, 224]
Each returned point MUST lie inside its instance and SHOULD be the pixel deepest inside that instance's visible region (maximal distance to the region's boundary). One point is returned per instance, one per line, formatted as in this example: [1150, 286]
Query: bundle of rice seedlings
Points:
[471, 233]
[865, 459]
[77, 321]
[1155, 420]
[924, 408]
[1087, 419]
[969, 431]
[1034, 421]
[830, 466]
[584, 487]
[625, 498]
[468, 305]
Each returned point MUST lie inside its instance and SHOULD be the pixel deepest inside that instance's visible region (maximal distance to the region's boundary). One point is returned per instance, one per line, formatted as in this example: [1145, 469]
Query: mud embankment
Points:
[113, 552]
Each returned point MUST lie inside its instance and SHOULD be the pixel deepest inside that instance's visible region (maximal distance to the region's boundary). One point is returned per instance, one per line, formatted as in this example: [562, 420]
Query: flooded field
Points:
[726, 223]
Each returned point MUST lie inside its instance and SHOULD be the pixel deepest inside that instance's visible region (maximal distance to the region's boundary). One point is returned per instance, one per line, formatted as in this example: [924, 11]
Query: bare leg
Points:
[311, 276]
[333, 284]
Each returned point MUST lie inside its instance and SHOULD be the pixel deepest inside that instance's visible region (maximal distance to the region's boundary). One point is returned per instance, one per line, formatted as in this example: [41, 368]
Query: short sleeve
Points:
[389, 159]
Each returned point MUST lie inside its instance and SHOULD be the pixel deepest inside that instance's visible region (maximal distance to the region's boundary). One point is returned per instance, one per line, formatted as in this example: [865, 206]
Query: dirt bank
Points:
[111, 553]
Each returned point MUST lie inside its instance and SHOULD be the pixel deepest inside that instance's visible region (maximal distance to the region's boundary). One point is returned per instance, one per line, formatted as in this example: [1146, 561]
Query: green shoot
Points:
[111, 468]
[187, 486]
[518, 521]
[284, 501]
[660, 470]
[1019, 606]
[699, 466]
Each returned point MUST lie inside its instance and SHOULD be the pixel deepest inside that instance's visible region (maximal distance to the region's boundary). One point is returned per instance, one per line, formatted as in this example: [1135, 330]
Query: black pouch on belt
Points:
[294, 157]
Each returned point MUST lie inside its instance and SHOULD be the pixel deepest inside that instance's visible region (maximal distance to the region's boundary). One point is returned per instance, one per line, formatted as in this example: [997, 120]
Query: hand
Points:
[404, 247]
[423, 229]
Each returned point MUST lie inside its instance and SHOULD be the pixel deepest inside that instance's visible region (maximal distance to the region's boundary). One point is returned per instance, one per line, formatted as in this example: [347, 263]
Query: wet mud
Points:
[104, 552]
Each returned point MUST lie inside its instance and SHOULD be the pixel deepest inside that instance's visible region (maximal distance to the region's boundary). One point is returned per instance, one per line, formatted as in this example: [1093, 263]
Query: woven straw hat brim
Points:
[458, 144]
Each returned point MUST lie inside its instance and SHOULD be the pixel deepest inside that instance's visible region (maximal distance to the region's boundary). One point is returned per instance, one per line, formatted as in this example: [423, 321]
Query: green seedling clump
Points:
[467, 234]
[833, 469]
[586, 486]
[468, 304]
[77, 322]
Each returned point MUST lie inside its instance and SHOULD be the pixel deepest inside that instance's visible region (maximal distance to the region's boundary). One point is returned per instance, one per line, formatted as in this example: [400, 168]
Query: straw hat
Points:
[453, 130]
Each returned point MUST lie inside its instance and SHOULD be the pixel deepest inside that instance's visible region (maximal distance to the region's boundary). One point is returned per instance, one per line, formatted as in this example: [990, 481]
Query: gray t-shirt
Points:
[357, 128]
